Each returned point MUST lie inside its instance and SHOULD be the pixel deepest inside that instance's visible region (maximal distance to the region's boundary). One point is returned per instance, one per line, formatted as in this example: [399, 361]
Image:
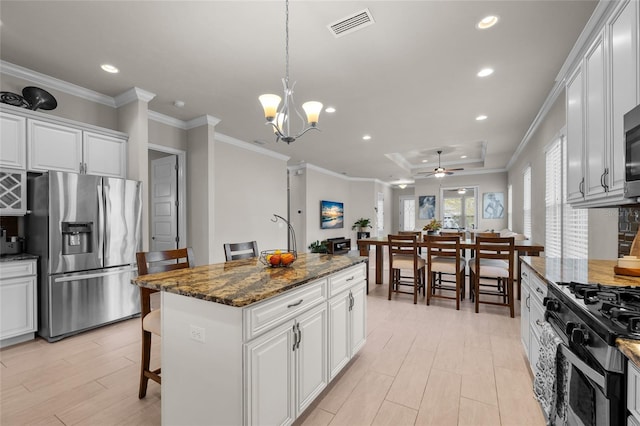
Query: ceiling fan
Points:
[440, 171]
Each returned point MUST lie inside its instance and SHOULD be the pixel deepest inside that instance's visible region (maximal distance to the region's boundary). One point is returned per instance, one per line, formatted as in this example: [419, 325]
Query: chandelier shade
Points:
[279, 117]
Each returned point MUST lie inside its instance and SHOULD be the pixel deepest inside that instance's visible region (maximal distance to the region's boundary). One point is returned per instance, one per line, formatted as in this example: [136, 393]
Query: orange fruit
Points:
[275, 260]
[287, 258]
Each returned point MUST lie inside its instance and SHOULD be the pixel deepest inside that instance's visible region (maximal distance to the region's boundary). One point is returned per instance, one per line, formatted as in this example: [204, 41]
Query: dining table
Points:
[522, 247]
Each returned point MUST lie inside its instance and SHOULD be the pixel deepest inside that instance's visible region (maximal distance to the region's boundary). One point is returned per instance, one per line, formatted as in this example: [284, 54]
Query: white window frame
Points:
[526, 201]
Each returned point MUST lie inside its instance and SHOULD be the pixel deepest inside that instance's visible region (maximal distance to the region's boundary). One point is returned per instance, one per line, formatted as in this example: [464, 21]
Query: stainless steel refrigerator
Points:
[86, 230]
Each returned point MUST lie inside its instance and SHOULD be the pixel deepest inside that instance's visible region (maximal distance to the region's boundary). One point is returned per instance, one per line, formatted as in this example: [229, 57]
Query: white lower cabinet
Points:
[533, 290]
[633, 392]
[287, 369]
[347, 326]
[18, 314]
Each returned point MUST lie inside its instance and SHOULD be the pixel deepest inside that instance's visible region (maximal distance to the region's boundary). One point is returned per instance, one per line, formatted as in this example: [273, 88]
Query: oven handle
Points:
[598, 378]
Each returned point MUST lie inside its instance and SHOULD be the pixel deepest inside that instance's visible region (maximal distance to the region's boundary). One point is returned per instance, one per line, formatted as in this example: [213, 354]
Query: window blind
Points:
[509, 207]
[553, 200]
[526, 202]
[575, 222]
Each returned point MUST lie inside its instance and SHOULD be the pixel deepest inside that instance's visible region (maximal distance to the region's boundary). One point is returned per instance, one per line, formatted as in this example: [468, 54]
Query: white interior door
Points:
[407, 214]
[164, 209]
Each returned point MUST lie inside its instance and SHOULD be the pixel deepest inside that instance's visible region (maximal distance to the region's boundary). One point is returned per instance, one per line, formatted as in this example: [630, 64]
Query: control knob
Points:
[579, 336]
[552, 305]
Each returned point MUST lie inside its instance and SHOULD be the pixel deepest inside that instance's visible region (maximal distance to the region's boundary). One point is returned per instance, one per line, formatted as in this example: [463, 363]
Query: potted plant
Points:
[318, 247]
[432, 227]
[361, 225]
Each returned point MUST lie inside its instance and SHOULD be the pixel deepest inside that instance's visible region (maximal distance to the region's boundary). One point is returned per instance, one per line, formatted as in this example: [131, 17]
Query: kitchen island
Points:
[243, 343]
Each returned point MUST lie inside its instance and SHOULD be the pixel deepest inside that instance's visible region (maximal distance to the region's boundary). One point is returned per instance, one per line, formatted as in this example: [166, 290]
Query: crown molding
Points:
[220, 137]
[165, 119]
[53, 83]
[203, 120]
[133, 94]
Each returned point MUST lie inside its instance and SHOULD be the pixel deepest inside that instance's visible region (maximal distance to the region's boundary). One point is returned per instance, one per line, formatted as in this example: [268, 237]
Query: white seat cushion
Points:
[490, 267]
[401, 261]
[151, 322]
[446, 265]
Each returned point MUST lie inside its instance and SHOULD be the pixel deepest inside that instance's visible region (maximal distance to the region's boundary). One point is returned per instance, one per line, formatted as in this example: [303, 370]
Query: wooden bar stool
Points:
[493, 260]
[444, 257]
[149, 263]
[403, 254]
[235, 251]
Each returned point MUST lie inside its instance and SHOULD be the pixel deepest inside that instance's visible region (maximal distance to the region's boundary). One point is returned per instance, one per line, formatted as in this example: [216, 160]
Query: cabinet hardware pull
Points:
[539, 291]
[539, 323]
[527, 302]
[295, 336]
[350, 278]
[602, 184]
[299, 335]
[606, 175]
[294, 304]
[581, 187]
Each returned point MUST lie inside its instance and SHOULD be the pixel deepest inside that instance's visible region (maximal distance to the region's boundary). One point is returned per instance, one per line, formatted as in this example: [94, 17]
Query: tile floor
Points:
[421, 365]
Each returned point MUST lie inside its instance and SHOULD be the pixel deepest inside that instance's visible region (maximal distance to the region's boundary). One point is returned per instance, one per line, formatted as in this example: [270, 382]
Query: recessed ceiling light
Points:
[109, 68]
[487, 22]
[485, 72]
[330, 110]
[366, 137]
[481, 117]
[425, 161]
[402, 186]
[463, 156]
[178, 104]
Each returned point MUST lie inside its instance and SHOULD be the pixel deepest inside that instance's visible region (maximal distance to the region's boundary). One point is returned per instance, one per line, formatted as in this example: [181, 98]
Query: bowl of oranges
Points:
[278, 258]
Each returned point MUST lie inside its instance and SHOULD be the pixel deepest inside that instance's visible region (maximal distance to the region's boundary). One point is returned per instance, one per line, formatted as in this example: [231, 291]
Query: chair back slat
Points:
[404, 244]
[495, 248]
[160, 261]
[235, 251]
[442, 245]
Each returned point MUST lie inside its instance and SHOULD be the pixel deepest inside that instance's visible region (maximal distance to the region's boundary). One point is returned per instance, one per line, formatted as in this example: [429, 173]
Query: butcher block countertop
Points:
[243, 282]
[581, 270]
[592, 271]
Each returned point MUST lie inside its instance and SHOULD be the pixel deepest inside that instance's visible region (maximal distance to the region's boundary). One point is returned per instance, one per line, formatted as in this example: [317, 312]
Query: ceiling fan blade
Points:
[448, 172]
[455, 170]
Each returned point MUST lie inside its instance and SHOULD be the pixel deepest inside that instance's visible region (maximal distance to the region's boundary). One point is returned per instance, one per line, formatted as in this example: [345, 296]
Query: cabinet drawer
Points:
[19, 268]
[345, 279]
[538, 288]
[536, 315]
[268, 314]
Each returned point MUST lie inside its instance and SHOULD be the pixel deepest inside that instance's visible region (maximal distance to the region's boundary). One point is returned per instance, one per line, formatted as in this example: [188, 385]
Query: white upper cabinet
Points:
[595, 140]
[104, 155]
[37, 142]
[623, 51]
[54, 147]
[575, 137]
[13, 141]
[599, 92]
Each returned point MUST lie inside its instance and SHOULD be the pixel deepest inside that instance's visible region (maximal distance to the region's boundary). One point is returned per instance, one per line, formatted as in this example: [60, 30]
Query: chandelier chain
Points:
[286, 56]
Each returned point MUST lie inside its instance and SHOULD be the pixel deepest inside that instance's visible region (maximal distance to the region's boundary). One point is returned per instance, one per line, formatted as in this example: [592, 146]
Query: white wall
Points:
[249, 189]
[165, 135]
[323, 186]
[490, 182]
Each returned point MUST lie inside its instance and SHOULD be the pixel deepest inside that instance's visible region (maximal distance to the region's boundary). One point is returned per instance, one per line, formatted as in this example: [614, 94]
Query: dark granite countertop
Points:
[593, 271]
[16, 257]
[582, 270]
[243, 282]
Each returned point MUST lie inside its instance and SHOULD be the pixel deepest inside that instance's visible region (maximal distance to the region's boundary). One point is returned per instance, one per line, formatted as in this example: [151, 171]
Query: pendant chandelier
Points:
[280, 119]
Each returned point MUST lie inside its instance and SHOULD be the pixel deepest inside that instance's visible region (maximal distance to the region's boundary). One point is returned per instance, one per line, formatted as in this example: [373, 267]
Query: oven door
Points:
[594, 396]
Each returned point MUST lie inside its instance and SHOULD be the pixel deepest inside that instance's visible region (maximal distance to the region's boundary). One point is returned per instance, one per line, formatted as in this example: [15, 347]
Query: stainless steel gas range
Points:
[589, 318]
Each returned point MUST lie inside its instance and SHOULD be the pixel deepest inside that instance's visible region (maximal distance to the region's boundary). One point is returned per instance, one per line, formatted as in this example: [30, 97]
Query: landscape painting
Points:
[331, 215]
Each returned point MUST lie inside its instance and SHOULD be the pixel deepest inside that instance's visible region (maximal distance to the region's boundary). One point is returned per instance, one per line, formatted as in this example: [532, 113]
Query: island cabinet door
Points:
[358, 328]
[269, 377]
[311, 356]
[339, 340]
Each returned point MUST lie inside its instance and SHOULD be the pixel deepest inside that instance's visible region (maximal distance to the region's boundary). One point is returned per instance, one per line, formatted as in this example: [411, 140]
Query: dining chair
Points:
[444, 257]
[150, 263]
[403, 255]
[493, 260]
[235, 251]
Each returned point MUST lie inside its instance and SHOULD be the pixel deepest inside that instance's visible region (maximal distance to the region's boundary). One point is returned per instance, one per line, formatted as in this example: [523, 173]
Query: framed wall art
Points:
[427, 207]
[493, 205]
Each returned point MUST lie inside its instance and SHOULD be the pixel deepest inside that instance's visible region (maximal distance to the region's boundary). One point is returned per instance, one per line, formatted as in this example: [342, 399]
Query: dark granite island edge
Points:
[241, 283]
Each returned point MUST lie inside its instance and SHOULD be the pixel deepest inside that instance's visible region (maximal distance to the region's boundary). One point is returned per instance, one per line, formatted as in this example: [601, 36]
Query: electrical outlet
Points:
[197, 333]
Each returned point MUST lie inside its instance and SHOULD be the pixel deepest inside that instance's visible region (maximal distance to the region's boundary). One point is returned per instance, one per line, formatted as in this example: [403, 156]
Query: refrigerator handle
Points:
[101, 223]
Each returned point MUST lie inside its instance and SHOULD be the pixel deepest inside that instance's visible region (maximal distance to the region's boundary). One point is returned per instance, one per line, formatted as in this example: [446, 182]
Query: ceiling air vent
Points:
[351, 23]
